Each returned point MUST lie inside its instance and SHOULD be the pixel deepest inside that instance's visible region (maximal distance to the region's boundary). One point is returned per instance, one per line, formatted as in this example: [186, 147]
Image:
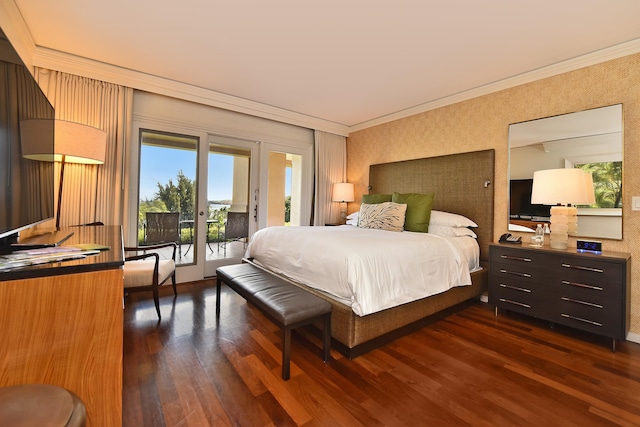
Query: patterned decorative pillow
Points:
[382, 216]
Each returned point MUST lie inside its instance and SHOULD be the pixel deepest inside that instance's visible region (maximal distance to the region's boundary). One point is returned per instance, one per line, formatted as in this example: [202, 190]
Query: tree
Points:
[180, 197]
[287, 209]
[607, 183]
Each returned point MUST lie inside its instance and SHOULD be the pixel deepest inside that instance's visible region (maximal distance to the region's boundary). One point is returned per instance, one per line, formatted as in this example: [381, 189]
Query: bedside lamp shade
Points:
[562, 188]
[342, 193]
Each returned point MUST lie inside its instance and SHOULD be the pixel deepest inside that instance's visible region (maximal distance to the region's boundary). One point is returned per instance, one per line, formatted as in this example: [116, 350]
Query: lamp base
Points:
[564, 221]
[343, 213]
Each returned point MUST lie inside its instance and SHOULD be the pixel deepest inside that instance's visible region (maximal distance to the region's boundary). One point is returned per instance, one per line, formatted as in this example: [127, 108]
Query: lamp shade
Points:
[342, 192]
[562, 186]
[76, 142]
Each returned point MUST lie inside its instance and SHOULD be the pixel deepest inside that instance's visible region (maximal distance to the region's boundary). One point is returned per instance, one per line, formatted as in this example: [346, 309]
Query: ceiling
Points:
[342, 61]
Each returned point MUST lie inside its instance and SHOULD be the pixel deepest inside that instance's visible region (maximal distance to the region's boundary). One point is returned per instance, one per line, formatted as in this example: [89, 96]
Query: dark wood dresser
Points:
[581, 290]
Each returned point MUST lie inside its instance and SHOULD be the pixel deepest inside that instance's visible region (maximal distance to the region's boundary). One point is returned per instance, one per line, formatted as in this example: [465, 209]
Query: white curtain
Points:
[331, 167]
[91, 192]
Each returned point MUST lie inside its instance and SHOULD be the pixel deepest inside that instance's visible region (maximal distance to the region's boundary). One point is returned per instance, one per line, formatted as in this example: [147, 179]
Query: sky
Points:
[158, 164]
[161, 164]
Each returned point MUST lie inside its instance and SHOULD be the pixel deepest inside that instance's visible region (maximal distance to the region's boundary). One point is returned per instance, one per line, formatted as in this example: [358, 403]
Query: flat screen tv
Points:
[520, 206]
[26, 186]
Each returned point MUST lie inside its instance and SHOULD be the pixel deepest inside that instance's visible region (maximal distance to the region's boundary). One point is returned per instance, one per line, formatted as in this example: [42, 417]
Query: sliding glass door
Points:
[231, 184]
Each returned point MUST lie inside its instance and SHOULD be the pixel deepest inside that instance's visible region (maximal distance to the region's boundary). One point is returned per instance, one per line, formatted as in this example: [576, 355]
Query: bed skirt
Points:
[355, 335]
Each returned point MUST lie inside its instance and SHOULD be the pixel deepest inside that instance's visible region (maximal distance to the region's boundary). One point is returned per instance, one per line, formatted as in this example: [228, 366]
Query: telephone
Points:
[508, 238]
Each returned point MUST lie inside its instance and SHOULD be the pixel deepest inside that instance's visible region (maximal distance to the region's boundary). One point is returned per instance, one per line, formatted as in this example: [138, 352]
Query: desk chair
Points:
[145, 271]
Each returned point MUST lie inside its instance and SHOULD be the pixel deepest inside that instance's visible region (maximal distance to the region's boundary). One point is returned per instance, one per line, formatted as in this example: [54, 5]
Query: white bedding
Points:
[370, 270]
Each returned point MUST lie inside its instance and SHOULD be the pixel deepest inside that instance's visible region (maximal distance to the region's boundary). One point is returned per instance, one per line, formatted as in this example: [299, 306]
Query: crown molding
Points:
[17, 32]
[48, 58]
[593, 58]
[60, 61]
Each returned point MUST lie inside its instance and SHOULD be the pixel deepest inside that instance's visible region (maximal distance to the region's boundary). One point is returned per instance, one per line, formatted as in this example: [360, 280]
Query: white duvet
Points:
[370, 270]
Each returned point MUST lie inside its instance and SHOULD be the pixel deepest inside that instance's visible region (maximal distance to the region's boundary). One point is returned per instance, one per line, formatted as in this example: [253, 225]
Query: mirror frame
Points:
[588, 131]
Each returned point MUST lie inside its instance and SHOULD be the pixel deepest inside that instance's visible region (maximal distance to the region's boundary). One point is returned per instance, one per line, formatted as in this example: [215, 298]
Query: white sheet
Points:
[371, 270]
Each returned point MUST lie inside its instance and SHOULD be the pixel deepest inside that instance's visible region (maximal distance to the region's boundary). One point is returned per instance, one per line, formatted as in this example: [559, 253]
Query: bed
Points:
[461, 184]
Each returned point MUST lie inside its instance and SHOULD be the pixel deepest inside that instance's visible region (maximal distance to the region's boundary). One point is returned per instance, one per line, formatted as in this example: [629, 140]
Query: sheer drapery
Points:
[331, 167]
[91, 193]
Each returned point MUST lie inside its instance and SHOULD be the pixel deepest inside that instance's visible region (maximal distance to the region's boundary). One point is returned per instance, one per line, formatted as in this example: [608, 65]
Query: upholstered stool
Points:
[39, 405]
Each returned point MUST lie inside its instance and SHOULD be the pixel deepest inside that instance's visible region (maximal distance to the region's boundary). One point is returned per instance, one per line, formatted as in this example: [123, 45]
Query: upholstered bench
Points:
[286, 304]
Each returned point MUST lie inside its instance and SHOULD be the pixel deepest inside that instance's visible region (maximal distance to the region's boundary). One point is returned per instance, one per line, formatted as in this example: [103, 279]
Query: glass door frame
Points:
[254, 148]
[184, 272]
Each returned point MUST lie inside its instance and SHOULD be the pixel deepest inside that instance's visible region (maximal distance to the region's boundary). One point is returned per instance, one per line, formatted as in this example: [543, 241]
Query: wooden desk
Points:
[62, 324]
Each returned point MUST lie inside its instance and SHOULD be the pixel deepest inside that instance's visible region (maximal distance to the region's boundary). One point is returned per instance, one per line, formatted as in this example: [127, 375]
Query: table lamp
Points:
[562, 188]
[342, 193]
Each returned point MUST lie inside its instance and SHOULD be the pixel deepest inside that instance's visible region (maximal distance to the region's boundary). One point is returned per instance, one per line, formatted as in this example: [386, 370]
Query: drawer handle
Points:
[516, 288]
[577, 301]
[591, 322]
[515, 258]
[508, 301]
[581, 285]
[579, 267]
[515, 273]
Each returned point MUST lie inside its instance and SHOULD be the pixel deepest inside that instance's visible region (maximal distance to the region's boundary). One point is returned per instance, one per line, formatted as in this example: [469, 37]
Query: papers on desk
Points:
[30, 257]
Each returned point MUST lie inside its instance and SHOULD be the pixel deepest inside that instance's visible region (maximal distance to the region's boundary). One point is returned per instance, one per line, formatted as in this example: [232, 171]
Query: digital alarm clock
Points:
[589, 246]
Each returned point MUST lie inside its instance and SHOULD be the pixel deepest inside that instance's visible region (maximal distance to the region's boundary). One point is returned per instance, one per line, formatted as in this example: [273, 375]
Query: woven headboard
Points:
[462, 183]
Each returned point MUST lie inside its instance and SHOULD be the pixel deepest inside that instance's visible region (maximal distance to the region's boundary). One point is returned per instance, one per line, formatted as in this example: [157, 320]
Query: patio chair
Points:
[236, 228]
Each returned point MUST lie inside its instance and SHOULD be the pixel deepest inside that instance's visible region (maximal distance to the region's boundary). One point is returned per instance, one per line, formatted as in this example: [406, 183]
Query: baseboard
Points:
[633, 337]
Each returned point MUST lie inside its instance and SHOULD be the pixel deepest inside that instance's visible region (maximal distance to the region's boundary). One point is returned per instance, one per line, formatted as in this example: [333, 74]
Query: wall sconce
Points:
[562, 188]
[342, 193]
[73, 143]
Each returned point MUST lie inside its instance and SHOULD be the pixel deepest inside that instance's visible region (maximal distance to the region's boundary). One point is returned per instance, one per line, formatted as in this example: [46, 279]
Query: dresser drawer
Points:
[517, 296]
[602, 319]
[607, 275]
[588, 292]
[517, 255]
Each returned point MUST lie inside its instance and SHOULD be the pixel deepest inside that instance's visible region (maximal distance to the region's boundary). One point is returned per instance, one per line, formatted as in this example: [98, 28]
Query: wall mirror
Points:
[591, 140]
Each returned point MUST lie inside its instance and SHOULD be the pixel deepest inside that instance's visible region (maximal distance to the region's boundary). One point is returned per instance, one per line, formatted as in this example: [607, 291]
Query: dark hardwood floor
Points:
[468, 369]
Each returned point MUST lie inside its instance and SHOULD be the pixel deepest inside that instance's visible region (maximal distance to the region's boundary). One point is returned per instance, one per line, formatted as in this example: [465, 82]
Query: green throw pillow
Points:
[418, 210]
[374, 199]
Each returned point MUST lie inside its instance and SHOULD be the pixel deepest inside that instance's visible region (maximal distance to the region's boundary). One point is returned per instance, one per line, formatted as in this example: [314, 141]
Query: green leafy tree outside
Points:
[178, 197]
[607, 183]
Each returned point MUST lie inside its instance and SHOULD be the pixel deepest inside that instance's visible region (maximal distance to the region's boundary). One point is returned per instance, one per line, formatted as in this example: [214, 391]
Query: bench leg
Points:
[218, 286]
[326, 342]
[286, 352]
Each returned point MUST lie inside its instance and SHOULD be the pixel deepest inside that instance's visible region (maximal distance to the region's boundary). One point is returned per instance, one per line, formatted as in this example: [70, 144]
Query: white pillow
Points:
[449, 219]
[445, 230]
[387, 216]
[352, 219]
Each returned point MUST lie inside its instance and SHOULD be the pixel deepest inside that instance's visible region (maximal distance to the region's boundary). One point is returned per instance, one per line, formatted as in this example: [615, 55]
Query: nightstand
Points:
[580, 290]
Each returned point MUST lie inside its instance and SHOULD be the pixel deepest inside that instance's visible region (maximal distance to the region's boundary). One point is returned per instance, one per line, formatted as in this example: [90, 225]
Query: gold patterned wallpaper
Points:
[482, 123]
